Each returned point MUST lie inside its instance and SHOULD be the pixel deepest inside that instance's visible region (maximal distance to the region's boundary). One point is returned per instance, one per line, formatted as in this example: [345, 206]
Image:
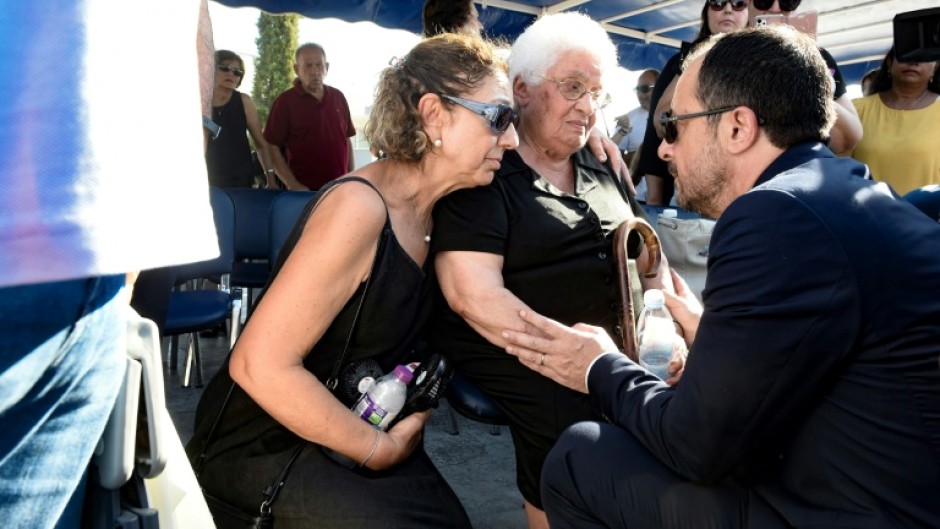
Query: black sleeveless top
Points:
[228, 157]
[394, 311]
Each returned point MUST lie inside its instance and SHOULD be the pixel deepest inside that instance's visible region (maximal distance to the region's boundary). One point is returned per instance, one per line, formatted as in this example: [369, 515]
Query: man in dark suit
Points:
[811, 395]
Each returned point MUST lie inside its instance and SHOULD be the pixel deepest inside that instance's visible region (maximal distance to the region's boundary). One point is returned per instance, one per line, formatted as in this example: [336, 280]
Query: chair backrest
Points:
[223, 212]
[285, 210]
[252, 214]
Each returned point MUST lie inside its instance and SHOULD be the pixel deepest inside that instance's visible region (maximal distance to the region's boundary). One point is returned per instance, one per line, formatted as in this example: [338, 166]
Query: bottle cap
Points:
[404, 374]
[653, 298]
[669, 213]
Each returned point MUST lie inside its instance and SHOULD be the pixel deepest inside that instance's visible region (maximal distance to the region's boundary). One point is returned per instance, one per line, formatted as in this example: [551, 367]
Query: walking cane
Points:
[653, 250]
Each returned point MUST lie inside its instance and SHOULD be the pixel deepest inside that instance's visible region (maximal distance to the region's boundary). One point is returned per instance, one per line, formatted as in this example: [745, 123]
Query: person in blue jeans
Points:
[87, 185]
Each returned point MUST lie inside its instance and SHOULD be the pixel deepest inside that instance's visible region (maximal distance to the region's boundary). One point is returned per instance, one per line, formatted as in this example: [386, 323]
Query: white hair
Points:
[538, 47]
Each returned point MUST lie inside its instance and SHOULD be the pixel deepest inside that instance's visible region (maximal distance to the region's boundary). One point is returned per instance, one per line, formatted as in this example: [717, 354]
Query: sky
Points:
[358, 52]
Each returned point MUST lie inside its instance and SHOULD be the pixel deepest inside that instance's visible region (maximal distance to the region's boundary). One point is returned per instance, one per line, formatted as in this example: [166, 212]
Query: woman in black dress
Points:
[443, 119]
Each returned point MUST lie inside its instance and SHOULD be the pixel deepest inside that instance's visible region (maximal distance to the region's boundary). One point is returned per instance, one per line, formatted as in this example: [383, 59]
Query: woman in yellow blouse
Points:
[901, 122]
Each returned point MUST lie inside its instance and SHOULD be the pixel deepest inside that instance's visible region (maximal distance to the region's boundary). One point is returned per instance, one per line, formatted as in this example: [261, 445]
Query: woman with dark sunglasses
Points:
[847, 131]
[228, 154]
[718, 16]
[538, 237]
[902, 124]
[356, 268]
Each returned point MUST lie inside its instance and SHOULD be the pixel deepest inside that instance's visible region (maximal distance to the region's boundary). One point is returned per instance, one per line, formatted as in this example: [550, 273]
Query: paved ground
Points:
[478, 465]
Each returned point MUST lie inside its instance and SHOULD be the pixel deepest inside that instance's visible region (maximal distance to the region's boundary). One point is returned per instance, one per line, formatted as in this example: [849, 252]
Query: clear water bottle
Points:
[656, 333]
[383, 399]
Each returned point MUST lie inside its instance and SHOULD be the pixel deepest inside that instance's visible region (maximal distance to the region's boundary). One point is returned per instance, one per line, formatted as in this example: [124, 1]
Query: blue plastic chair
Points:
[194, 310]
[285, 210]
[468, 400]
[250, 269]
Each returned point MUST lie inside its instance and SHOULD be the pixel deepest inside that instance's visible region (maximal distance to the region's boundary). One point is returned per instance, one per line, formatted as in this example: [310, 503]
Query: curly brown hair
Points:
[446, 64]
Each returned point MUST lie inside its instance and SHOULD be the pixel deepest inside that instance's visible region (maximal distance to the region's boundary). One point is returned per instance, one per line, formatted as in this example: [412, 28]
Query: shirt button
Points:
[602, 255]
[593, 220]
[599, 236]
[582, 205]
[618, 330]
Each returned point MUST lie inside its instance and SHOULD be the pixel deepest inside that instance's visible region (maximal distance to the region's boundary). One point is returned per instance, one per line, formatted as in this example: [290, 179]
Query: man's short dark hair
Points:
[445, 16]
[778, 73]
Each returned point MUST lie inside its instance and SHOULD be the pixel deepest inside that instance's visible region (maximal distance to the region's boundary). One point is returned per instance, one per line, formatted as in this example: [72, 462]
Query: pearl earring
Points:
[438, 142]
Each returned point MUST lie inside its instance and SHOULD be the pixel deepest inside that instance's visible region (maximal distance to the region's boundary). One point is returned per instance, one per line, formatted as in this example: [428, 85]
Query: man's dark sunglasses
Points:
[785, 5]
[226, 68]
[499, 116]
[644, 88]
[737, 5]
[669, 122]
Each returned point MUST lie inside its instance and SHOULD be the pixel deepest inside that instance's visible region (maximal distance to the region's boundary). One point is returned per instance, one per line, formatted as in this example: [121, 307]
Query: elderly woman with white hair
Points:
[538, 238]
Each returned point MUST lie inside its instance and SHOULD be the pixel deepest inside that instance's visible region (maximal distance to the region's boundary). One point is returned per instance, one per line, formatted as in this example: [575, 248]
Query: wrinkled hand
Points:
[399, 442]
[624, 123]
[563, 354]
[684, 307]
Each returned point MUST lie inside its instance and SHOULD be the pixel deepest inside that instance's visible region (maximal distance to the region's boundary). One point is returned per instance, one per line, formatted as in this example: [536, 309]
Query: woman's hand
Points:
[399, 442]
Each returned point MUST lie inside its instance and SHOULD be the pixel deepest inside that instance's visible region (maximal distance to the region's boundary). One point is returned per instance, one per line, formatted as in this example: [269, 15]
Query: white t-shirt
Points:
[100, 140]
[631, 142]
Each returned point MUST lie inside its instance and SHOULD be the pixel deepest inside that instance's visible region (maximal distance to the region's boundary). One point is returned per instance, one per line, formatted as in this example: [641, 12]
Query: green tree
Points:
[274, 66]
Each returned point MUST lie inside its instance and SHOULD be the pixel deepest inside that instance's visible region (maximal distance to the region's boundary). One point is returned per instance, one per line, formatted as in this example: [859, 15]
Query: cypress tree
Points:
[274, 66]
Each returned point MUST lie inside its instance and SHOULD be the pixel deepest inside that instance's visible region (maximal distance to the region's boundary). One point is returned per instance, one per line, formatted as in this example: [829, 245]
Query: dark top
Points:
[249, 447]
[814, 375]
[314, 132]
[228, 157]
[649, 162]
[557, 251]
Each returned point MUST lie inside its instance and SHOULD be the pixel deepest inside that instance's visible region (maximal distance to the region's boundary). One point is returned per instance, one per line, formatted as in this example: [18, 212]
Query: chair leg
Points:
[172, 353]
[188, 365]
[451, 421]
[198, 360]
[236, 323]
[494, 430]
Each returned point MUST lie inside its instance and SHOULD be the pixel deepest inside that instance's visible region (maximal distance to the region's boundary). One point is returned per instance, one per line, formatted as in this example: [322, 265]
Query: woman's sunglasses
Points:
[785, 5]
[737, 5]
[226, 68]
[499, 116]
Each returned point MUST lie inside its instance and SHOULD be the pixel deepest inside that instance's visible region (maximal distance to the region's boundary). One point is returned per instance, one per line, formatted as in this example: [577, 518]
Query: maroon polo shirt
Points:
[313, 132]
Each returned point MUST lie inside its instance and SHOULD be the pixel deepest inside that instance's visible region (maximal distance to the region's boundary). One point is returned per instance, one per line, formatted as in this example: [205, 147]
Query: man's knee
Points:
[569, 453]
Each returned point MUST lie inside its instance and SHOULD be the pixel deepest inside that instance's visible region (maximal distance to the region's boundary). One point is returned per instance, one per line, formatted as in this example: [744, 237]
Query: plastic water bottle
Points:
[657, 334]
[383, 399]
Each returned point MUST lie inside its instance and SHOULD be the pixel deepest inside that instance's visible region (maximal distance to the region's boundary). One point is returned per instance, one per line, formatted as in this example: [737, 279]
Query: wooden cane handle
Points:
[654, 254]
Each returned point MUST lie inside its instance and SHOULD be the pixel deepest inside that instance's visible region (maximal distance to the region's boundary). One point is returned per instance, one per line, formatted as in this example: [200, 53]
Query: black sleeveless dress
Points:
[228, 157]
[249, 448]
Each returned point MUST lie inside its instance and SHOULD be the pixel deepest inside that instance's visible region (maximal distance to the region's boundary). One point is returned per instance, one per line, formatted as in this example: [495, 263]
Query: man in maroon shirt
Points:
[311, 122]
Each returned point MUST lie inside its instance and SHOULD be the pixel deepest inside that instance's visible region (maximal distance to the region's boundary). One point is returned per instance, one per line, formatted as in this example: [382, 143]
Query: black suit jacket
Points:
[814, 375]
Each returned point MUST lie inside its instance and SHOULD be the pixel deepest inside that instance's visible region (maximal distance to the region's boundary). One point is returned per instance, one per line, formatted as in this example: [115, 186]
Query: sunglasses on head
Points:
[499, 116]
[644, 88]
[785, 5]
[737, 5]
[226, 68]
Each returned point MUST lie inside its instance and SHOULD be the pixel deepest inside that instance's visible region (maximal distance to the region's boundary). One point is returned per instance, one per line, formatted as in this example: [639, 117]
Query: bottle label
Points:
[369, 411]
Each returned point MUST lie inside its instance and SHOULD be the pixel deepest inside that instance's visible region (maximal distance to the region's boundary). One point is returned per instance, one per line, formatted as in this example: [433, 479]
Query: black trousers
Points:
[598, 475]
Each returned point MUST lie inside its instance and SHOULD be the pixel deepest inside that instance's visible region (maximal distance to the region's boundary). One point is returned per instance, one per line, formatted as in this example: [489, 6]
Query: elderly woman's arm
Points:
[472, 283]
[297, 309]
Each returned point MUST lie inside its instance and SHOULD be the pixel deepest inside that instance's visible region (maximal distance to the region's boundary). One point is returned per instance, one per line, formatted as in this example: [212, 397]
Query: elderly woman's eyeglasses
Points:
[499, 116]
[573, 90]
[669, 122]
[226, 68]
[785, 5]
[737, 5]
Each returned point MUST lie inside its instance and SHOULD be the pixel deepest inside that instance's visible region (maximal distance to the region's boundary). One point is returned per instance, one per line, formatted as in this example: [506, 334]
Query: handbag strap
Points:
[271, 491]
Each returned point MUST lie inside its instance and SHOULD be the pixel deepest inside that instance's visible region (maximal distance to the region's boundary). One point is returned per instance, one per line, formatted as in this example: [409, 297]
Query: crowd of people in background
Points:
[804, 391]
